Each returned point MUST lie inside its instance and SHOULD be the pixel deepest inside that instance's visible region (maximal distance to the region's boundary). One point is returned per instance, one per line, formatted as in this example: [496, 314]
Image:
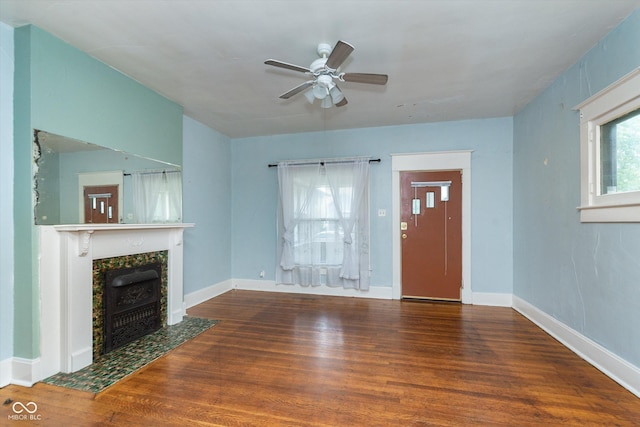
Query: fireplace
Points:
[68, 283]
[131, 304]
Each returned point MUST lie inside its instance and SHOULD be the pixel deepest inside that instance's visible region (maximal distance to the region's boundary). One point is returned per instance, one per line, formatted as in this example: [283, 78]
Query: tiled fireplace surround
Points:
[104, 265]
[66, 260]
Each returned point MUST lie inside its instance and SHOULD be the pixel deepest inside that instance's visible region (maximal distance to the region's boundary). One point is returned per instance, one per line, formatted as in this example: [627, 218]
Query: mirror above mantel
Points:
[77, 182]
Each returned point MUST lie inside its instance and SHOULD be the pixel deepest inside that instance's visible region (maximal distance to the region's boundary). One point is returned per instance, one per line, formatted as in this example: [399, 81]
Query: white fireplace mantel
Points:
[66, 277]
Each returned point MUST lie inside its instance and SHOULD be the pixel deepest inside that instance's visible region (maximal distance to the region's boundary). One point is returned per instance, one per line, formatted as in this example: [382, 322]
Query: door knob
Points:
[404, 235]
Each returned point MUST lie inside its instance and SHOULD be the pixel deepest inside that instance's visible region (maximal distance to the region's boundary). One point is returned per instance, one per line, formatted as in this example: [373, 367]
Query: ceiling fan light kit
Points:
[324, 70]
[336, 95]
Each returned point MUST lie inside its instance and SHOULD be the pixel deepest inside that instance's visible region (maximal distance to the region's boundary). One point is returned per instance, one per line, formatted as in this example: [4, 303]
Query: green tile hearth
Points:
[112, 367]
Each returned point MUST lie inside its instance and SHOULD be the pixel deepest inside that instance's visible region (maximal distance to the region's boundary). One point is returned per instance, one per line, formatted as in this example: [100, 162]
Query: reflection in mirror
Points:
[76, 182]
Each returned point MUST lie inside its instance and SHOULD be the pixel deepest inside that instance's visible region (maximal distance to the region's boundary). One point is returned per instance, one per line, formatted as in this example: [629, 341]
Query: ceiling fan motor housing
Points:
[318, 65]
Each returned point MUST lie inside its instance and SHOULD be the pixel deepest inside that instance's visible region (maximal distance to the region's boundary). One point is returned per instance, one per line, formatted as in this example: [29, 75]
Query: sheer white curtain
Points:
[323, 224]
[349, 188]
[157, 196]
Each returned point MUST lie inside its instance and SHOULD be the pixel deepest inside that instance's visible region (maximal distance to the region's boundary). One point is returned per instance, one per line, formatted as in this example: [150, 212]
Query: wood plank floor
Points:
[302, 360]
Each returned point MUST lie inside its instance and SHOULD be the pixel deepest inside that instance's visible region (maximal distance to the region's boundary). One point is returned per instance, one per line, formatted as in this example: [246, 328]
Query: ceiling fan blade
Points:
[342, 103]
[337, 97]
[297, 89]
[281, 64]
[376, 79]
[339, 53]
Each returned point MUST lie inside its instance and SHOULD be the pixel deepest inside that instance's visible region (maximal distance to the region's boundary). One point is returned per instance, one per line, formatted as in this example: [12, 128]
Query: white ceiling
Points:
[446, 59]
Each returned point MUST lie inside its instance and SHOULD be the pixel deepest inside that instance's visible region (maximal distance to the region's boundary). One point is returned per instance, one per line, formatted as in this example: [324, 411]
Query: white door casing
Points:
[444, 160]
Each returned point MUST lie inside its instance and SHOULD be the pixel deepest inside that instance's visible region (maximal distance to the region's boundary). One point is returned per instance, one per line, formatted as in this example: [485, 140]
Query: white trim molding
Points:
[442, 160]
[612, 365]
[201, 295]
[25, 372]
[615, 101]
[376, 292]
[492, 299]
[100, 179]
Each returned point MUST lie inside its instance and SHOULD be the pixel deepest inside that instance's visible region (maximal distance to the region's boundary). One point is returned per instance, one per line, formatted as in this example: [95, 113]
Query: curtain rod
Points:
[150, 173]
[323, 162]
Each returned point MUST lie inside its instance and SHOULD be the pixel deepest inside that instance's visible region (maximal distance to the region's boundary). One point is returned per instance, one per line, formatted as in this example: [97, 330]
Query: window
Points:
[319, 236]
[610, 153]
[323, 225]
[620, 154]
[157, 196]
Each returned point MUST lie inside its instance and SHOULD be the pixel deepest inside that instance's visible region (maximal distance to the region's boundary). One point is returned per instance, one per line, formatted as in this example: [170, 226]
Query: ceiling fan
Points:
[324, 71]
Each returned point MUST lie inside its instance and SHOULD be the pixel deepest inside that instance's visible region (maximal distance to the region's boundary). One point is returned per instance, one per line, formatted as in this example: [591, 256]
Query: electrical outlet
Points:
[262, 274]
[382, 212]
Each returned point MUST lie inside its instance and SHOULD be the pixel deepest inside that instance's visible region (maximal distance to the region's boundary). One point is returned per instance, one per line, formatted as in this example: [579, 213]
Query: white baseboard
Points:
[377, 292]
[81, 359]
[618, 369]
[25, 372]
[177, 315]
[5, 371]
[202, 295]
[492, 299]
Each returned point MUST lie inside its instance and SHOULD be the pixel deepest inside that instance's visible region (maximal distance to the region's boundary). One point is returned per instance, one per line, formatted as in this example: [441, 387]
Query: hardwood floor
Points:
[302, 360]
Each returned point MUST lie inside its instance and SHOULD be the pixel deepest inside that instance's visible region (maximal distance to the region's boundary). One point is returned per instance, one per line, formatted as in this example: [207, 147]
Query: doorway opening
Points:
[431, 234]
[103, 189]
[436, 161]
[100, 204]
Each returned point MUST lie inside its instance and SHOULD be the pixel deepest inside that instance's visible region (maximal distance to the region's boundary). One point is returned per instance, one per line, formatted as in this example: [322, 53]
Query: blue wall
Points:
[64, 91]
[76, 96]
[206, 181]
[255, 192]
[6, 193]
[584, 275]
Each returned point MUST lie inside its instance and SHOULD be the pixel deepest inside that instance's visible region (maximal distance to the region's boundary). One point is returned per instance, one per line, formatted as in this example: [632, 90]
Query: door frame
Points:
[92, 179]
[434, 161]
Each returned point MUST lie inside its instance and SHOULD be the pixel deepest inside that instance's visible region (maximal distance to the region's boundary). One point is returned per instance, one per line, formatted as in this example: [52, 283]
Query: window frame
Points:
[613, 102]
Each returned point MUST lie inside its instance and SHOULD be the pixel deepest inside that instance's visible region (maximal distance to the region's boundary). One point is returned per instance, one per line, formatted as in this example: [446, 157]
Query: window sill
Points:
[611, 213]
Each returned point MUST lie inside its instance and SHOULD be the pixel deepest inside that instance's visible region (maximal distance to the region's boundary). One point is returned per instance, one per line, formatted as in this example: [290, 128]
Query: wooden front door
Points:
[101, 204]
[431, 234]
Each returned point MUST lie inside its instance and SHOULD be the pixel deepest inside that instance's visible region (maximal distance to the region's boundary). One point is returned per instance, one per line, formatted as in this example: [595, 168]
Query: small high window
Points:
[620, 154]
[610, 153]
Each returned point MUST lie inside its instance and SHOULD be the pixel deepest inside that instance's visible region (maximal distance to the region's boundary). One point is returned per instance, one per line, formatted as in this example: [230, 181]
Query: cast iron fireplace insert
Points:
[131, 304]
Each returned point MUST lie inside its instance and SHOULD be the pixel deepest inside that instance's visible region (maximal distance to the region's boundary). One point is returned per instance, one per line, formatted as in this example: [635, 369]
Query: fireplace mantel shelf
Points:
[87, 230]
[105, 227]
